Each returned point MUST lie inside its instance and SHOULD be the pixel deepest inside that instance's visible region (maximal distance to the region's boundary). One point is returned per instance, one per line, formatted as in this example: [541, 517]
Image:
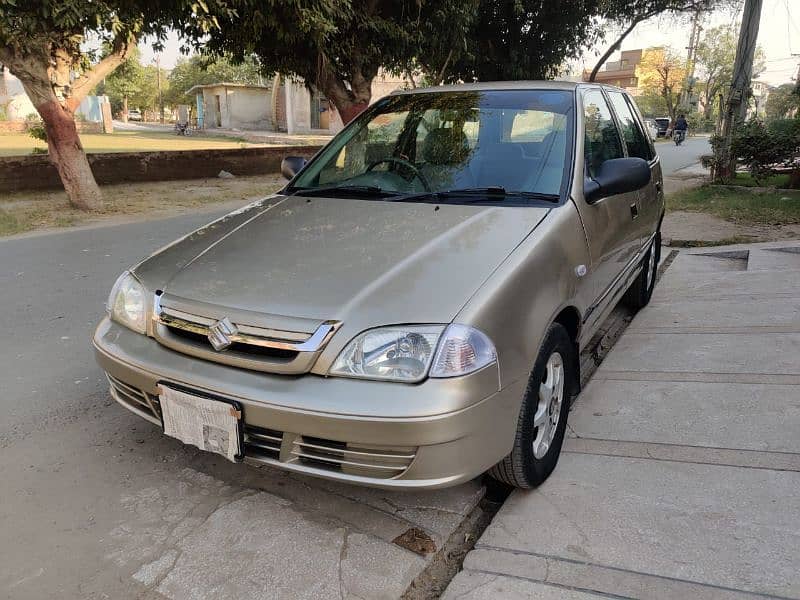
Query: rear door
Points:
[612, 236]
[638, 145]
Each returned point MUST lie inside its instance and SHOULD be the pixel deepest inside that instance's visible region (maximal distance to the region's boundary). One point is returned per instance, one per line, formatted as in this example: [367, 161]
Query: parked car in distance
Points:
[663, 126]
[408, 311]
[134, 114]
[652, 128]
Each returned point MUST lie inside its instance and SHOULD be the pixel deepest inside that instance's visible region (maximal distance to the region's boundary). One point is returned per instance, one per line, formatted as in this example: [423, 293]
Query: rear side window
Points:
[635, 140]
[601, 138]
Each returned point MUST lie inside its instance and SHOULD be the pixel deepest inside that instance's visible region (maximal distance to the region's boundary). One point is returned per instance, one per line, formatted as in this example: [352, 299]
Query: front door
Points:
[218, 110]
[610, 223]
[638, 145]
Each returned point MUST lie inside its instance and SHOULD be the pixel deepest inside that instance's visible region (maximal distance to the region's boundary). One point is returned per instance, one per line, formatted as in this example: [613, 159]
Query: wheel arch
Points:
[569, 318]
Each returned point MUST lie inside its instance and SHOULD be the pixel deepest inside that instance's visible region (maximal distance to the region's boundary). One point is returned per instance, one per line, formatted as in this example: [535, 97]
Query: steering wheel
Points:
[408, 164]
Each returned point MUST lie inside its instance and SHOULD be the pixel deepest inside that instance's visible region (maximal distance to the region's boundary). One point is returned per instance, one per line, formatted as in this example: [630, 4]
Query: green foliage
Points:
[336, 45]
[652, 104]
[781, 101]
[761, 146]
[715, 57]
[134, 81]
[202, 70]
[526, 39]
[37, 131]
[32, 26]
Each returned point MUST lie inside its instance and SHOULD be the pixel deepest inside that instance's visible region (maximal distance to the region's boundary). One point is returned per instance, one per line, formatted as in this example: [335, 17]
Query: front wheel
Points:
[542, 420]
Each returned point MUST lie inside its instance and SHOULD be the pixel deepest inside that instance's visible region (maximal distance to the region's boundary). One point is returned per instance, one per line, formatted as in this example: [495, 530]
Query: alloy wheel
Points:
[651, 267]
[548, 410]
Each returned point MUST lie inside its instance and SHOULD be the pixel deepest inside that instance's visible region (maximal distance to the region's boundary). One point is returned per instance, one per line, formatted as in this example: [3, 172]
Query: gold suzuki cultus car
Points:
[408, 311]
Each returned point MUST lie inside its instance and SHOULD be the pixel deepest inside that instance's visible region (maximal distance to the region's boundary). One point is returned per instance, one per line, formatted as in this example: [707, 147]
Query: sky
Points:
[778, 35]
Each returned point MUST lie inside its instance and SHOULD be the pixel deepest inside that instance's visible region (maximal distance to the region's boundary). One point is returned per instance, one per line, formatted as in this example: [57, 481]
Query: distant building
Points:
[16, 106]
[282, 105]
[621, 73]
[761, 92]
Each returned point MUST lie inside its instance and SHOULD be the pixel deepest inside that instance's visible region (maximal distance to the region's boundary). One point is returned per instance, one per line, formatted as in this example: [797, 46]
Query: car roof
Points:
[505, 85]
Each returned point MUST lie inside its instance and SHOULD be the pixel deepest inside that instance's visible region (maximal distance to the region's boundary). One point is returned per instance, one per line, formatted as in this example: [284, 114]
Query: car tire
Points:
[641, 290]
[551, 387]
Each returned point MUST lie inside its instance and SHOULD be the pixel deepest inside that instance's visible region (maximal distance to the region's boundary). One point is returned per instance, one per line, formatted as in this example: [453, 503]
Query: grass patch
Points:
[729, 241]
[28, 211]
[16, 144]
[779, 207]
[746, 180]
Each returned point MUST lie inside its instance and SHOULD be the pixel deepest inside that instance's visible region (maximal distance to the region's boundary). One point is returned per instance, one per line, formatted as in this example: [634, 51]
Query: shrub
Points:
[761, 147]
[35, 127]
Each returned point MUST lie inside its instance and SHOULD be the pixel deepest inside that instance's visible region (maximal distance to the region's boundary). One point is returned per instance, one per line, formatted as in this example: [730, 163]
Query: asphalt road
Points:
[674, 158]
[84, 483]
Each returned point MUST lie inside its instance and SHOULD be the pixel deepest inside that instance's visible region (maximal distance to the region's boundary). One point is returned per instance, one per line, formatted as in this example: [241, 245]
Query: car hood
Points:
[356, 261]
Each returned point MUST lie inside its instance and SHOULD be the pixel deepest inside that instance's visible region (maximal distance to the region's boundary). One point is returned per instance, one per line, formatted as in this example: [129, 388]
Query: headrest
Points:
[445, 146]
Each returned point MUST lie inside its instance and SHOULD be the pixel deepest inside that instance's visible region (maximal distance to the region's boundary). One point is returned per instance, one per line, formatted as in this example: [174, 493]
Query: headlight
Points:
[405, 353]
[126, 304]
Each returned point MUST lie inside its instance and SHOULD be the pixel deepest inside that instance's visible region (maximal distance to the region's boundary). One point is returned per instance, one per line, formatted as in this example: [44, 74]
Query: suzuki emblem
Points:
[220, 333]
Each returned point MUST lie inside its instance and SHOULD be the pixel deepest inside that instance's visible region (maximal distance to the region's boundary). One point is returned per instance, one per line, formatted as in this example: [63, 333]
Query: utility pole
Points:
[694, 41]
[160, 96]
[736, 109]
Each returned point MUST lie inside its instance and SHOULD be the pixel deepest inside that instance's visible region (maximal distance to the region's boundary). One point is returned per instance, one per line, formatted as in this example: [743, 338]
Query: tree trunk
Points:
[349, 102]
[66, 153]
[124, 109]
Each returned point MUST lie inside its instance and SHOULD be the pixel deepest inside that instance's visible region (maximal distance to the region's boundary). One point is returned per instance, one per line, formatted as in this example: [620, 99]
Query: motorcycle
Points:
[678, 136]
[182, 129]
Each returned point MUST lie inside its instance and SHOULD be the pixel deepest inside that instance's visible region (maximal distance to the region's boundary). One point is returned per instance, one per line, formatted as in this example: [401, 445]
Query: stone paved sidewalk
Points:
[681, 476]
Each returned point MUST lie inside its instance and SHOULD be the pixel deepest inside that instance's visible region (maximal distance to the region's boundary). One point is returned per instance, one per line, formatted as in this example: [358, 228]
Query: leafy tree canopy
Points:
[527, 39]
[662, 71]
[201, 70]
[338, 46]
[783, 101]
[43, 43]
[715, 56]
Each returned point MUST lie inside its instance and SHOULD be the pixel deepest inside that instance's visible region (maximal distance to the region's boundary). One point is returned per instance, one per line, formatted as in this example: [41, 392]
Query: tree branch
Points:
[89, 79]
[443, 70]
[616, 44]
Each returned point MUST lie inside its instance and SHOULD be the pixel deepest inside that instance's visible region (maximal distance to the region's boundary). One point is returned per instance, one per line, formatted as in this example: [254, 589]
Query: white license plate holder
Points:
[210, 423]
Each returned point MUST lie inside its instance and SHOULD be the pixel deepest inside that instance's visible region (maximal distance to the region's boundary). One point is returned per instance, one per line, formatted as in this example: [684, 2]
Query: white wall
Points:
[249, 108]
[13, 99]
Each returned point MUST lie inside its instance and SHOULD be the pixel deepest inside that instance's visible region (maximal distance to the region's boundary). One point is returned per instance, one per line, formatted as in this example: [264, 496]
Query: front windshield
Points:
[517, 140]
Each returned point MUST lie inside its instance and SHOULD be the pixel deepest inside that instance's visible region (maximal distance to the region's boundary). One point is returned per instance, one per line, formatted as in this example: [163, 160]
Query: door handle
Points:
[634, 211]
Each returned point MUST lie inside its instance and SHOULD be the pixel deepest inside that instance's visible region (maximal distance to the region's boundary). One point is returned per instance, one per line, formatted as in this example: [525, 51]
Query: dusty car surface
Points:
[409, 310]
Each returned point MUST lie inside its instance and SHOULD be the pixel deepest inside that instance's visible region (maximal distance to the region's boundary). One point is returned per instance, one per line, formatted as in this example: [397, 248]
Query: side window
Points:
[635, 140]
[601, 141]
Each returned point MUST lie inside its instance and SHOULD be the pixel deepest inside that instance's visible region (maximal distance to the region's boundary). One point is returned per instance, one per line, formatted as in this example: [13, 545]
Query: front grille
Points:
[143, 404]
[235, 348]
[239, 344]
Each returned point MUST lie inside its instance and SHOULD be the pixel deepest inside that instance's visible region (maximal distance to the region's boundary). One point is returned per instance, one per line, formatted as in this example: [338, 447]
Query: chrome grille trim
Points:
[248, 346]
[351, 463]
[364, 453]
[381, 463]
[247, 334]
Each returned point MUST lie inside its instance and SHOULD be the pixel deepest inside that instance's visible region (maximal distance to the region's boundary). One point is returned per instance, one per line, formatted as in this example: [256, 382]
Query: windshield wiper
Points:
[360, 190]
[478, 194]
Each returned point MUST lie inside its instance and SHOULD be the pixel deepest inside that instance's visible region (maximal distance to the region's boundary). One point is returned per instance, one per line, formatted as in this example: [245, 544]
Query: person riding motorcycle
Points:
[681, 126]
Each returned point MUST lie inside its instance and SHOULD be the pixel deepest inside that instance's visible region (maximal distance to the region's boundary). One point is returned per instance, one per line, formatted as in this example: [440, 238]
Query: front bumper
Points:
[446, 430]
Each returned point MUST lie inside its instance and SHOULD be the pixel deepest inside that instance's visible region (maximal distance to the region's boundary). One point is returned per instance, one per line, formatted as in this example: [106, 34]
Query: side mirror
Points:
[617, 176]
[291, 165]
